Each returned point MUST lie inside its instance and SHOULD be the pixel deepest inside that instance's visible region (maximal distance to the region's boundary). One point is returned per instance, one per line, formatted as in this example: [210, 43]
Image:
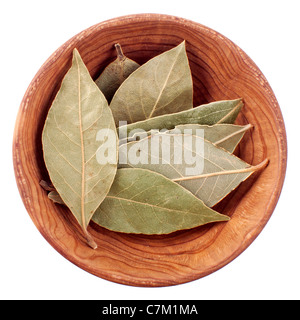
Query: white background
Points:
[268, 31]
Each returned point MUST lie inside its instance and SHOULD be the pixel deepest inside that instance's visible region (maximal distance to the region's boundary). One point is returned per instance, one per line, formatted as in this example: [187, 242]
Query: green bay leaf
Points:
[115, 73]
[161, 85]
[217, 112]
[142, 201]
[78, 112]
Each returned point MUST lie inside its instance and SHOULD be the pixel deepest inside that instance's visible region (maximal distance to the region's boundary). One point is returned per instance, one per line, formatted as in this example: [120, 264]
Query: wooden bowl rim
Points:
[190, 24]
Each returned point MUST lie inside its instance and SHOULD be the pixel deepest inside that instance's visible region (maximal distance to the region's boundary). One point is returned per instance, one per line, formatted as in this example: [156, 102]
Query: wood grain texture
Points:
[220, 70]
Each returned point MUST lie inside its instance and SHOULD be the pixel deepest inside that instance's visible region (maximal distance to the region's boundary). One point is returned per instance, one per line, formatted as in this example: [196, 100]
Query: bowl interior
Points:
[220, 71]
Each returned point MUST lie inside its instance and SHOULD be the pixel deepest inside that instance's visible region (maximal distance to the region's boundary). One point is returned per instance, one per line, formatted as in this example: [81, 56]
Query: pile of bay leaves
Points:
[130, 151]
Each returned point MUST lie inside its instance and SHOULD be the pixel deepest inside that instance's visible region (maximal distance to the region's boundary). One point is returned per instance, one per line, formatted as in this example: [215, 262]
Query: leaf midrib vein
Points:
[164, 86]
[82, 149]
[149, 204]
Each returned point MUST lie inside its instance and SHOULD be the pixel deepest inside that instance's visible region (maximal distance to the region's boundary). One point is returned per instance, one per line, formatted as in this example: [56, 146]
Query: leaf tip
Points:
[76, 54]
[75, 51]
[182, 44]
[46, 185]
[240, 102]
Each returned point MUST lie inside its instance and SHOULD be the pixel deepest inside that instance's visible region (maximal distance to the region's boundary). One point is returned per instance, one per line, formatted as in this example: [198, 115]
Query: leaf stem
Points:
[90, 241]
[260, 166]
[120, 53]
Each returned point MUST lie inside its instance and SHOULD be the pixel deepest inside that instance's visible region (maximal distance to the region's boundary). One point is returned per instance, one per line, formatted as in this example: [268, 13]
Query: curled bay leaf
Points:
[70, 146]
[212, 174]
[142, 201]
[212, 113]
[115, 73]
[161, 85]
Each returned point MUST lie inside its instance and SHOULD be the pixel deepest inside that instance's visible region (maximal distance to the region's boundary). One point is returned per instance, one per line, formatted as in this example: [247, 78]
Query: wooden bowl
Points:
[220, 70]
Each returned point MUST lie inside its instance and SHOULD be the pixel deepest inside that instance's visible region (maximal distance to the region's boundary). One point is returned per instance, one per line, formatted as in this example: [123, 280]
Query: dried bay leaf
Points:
[47, 185]
[212, 113]
[161, 85]
[78, 112]
[115, 73]
[142, 201]
[221, 172]
[226, 136]
[55, 197]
